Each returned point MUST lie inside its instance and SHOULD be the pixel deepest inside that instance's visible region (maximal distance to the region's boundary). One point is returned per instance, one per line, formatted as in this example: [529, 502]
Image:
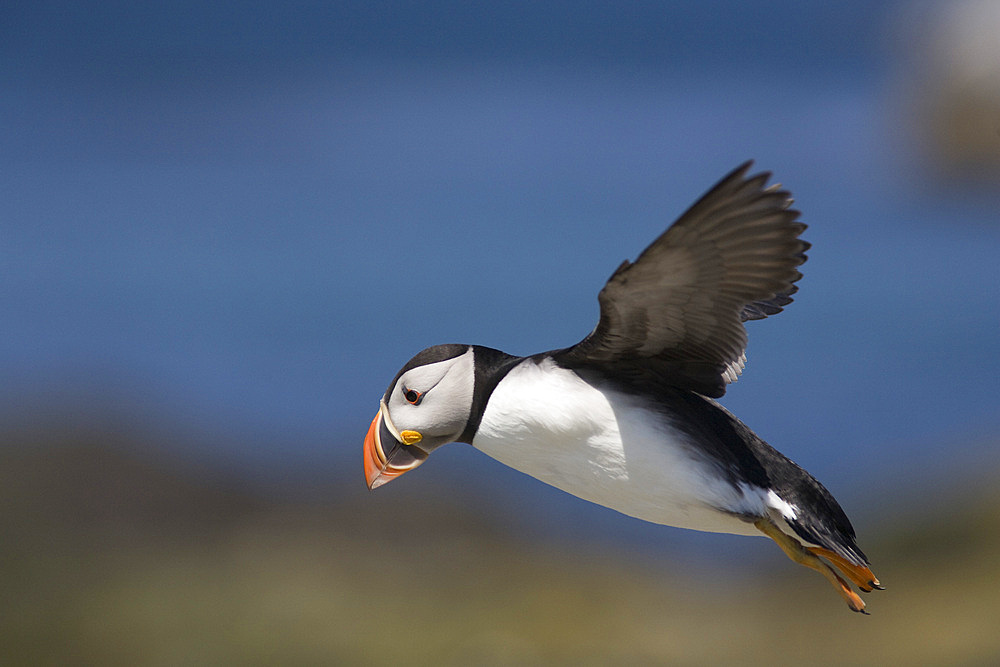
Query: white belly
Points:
[605, 447]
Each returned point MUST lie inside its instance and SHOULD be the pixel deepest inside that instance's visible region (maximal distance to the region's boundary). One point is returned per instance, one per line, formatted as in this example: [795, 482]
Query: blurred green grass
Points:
[114, 555]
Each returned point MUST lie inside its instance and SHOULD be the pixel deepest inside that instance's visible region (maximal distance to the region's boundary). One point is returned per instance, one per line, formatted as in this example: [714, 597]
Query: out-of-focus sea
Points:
[242, 262]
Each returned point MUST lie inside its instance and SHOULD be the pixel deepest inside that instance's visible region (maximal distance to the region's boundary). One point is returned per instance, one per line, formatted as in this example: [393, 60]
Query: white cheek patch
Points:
[447, 388]
[425, 378]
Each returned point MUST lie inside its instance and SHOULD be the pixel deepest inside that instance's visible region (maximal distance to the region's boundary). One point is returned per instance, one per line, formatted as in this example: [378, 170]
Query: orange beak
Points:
[381, 466]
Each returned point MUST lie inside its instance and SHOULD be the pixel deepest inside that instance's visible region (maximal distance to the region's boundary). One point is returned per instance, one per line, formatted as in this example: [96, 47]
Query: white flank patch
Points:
[788, 511]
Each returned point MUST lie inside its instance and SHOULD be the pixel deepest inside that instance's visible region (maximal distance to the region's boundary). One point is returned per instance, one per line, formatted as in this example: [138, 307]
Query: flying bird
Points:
[627, 417]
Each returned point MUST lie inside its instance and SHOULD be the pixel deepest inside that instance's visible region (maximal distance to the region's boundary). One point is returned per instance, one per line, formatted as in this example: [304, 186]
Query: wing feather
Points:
[677, 311]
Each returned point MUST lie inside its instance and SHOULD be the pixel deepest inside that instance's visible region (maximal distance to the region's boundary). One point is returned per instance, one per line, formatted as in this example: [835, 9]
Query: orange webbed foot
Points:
[860, 575]
[810, 557]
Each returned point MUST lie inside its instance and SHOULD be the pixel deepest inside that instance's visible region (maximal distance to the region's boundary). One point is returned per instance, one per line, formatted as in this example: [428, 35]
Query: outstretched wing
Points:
[677, 311]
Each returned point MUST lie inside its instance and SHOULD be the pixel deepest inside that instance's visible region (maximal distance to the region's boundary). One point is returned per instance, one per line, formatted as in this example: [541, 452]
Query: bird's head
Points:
[427, 405]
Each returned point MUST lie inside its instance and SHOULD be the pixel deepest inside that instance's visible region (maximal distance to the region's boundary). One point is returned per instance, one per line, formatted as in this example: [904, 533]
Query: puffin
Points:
[628, 418]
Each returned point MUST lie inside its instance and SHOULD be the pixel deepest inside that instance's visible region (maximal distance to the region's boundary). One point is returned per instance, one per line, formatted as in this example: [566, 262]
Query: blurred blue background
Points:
[229, 224]
[242, 218]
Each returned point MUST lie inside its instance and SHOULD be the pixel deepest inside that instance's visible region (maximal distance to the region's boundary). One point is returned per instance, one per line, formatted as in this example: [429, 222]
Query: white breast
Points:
[607, 448]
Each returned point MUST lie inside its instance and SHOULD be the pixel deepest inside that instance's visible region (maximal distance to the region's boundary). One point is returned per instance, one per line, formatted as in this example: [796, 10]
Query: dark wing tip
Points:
[741, 170]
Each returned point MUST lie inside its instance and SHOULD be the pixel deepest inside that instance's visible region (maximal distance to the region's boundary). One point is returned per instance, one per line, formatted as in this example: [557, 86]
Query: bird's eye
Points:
[412, 396]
